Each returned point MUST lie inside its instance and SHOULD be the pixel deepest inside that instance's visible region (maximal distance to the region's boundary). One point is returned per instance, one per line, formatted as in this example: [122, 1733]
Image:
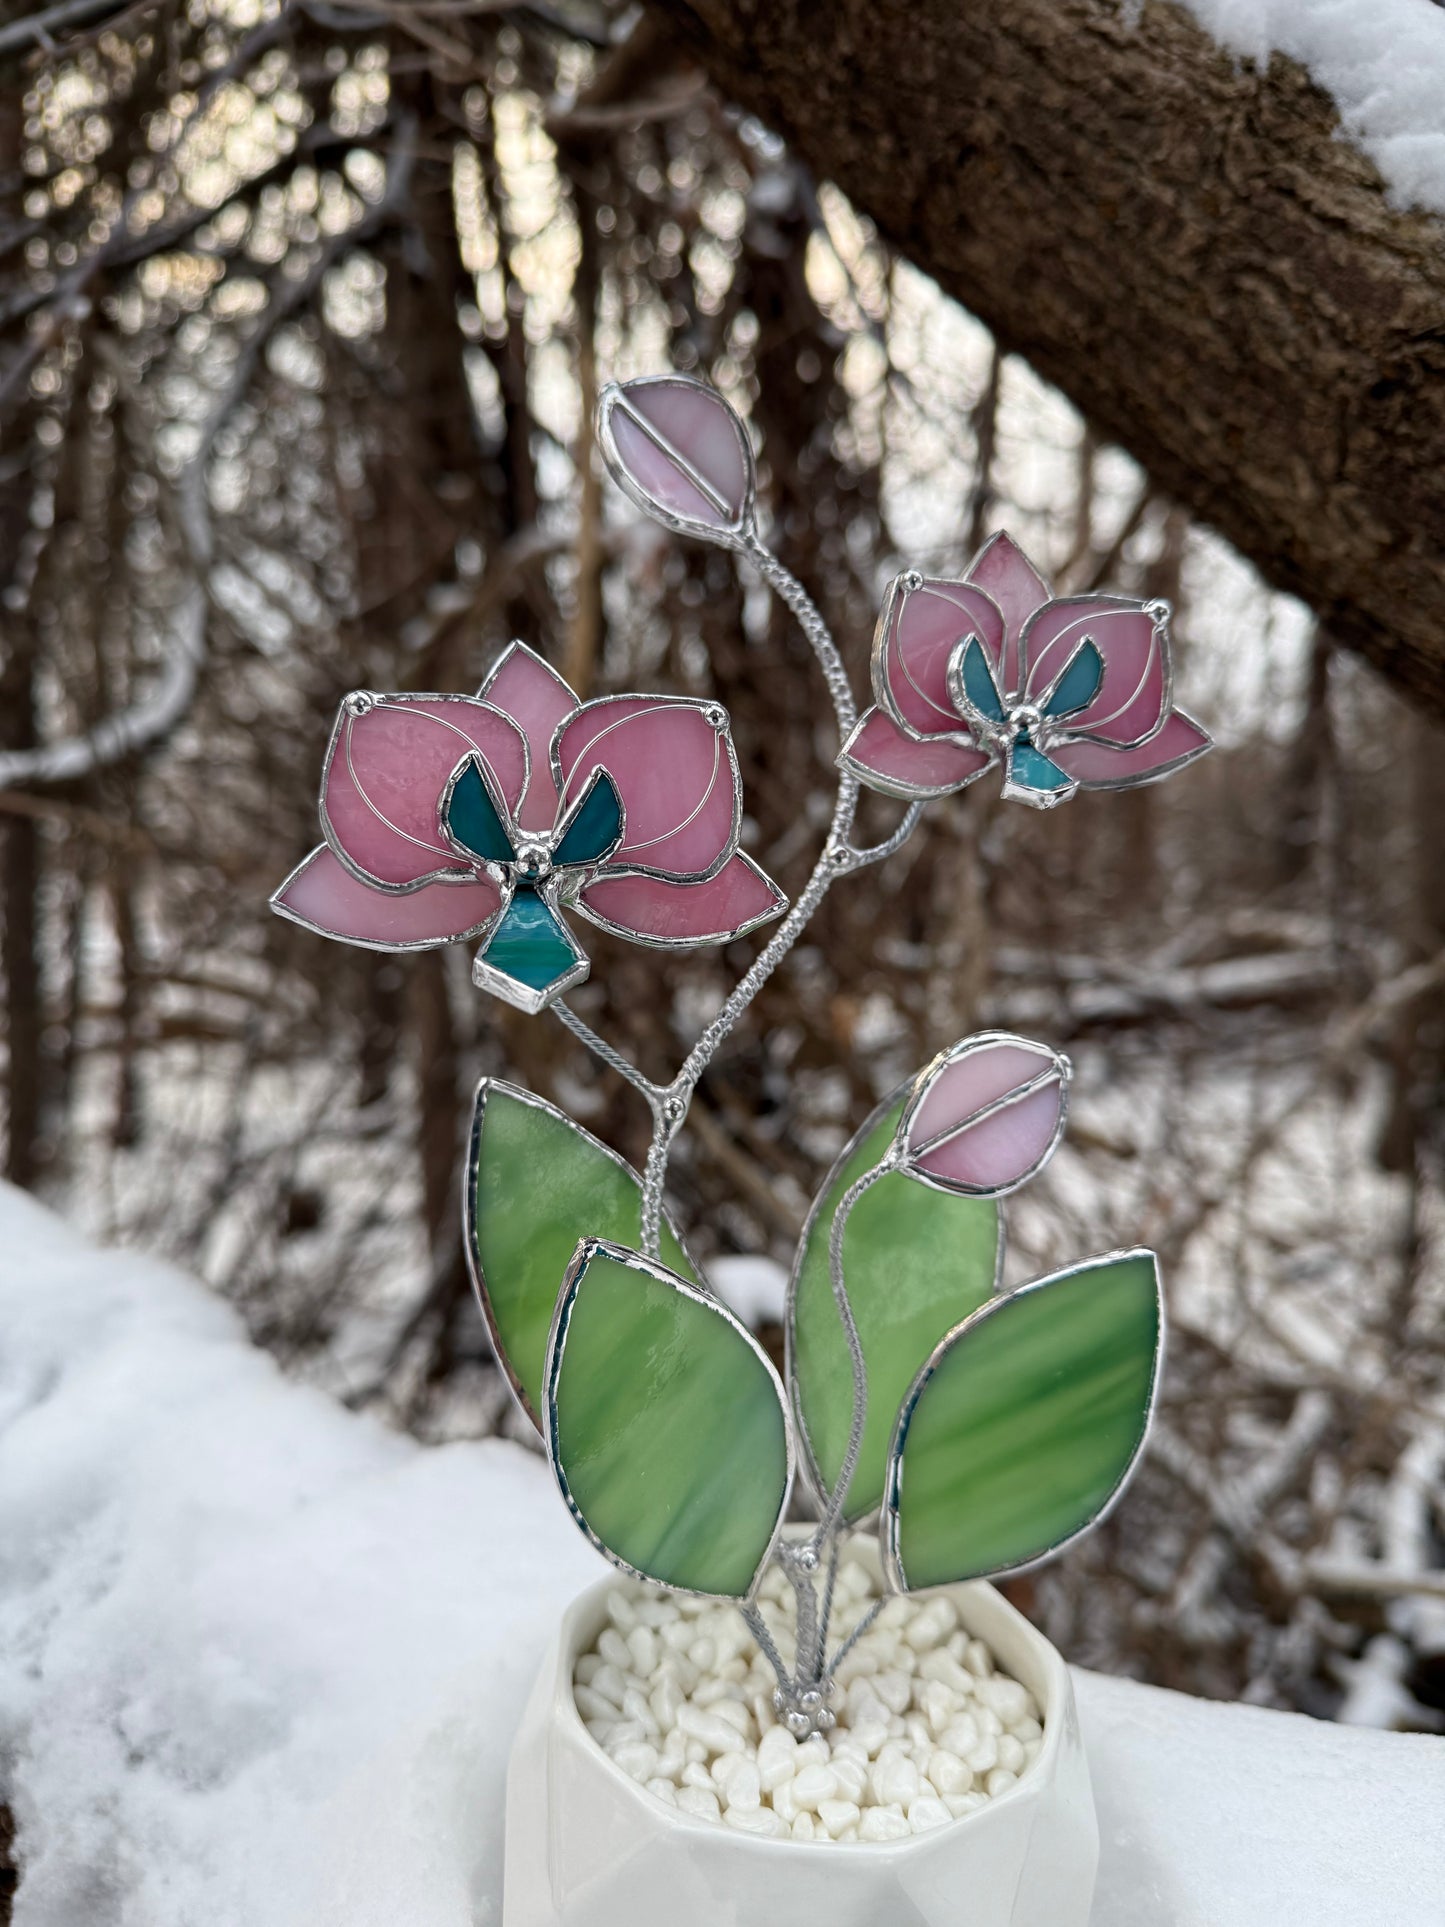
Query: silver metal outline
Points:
[328, 830]
[888, 1526]
[812, 1476]
[723, 734]
[470, 1165]
[368, 943]
[1058, 1065]
[584, 909]
[735, 532]
[588, 1249]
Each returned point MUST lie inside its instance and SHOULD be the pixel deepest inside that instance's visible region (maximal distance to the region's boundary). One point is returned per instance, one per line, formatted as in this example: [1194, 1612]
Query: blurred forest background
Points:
[303, 311]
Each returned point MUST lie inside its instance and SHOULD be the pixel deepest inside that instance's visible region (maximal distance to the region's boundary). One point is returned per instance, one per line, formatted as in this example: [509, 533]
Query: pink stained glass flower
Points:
[1067, 693]
[985, 1116]
[453, 817]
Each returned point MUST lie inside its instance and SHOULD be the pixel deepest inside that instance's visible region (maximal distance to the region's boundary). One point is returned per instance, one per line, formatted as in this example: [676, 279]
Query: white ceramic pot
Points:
[588, 1847]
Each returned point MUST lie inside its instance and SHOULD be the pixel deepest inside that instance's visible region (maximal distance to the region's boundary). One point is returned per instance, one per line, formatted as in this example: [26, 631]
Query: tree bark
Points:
[1183, 243]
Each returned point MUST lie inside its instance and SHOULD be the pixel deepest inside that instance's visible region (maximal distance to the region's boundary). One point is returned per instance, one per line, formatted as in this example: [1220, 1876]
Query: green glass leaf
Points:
[1025, 1423]
[915, 1262]
[595, 826]
[666, 1425]
[536, 1185]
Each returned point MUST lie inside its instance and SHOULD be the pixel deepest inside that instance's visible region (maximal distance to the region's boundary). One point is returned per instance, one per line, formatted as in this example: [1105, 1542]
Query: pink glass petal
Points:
[1134, 691]
[999, 1150]
[1097, 767]
[682, 419]
[1002, 568]
[324, 895]
[676, 772]
[1003, 1149]
[386, 771]
[883, 757]
[531, 692]
[925, 624]
[739, 897]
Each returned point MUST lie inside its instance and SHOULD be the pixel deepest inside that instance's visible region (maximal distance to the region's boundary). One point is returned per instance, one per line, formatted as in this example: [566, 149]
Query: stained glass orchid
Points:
[448, 818]
[1068, 692]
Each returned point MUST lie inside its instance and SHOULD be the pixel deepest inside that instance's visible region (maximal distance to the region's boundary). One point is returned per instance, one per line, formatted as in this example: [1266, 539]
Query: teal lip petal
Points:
[977, 678]
[530, 948]
[1080, 682]
[1030, 776]
[473, 818]
[596, 825]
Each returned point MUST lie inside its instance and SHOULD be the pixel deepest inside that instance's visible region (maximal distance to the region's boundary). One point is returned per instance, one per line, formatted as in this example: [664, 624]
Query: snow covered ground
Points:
[260, 1660]
[1383, 64]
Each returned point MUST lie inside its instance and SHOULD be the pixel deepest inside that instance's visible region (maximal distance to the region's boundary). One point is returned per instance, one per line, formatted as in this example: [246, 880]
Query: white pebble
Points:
[947, 1773]
[1009, 1700]
[999, 1781]
[664, 1789]
[743, 1789]
[976, 1657]
[838, 1814]
[894, 1779]
[760, 1820]
[699, 1802]
[960, 1803]
[982, 1756]
[716, 1734]
[696, 1774]
[894, 1690]
[613, 1648]
[926, 1812]
[1011, 1754]
[814, 1785]
[777, 1757]
[883, 1823]
[637, 1758]
[933, 1624]
[621, 1611]
[637, 1709]
[611, 1681]
[642, 1644]
[805, 1827]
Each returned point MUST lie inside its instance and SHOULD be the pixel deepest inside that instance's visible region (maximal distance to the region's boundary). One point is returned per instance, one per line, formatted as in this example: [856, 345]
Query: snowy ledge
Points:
[261, 1660]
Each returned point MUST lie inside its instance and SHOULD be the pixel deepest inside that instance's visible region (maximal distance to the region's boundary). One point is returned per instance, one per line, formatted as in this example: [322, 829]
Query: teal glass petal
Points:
[1028, 768]
[537, 1184]
[1081, 681]
[529, 945]
[596, 825]
[665, 1425]
[1029, 1420]
[915, 1261]
[473, 818]
[978, 682]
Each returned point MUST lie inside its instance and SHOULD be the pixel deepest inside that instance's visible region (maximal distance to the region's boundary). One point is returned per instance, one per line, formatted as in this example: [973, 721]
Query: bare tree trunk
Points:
[1181, 242]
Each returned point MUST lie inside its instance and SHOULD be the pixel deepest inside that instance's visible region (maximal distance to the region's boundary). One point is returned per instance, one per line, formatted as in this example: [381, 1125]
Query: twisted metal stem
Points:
[668, 1103]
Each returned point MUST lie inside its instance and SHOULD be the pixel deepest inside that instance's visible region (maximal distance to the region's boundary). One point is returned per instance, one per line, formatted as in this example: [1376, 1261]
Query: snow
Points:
[755, 1288]
[1383, 64]
[261, 1660]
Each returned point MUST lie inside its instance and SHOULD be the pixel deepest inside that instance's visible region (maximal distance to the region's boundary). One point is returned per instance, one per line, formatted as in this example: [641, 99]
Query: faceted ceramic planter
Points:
[588, 1847]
